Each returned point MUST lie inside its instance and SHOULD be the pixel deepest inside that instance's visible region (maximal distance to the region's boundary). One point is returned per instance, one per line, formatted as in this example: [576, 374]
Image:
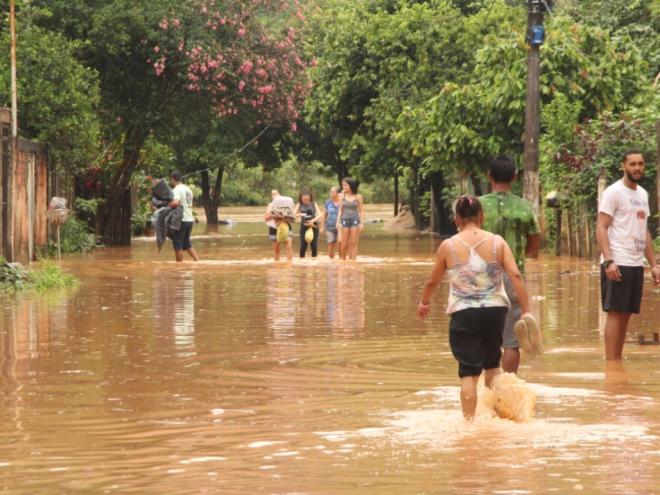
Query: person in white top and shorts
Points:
[183, 196]
[624, 241]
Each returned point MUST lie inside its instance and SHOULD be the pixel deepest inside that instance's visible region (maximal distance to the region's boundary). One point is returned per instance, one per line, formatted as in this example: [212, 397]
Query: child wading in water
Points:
[474, 261]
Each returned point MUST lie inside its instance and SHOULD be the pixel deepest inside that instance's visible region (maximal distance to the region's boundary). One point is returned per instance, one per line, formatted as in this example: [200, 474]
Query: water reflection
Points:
[222, 376]
[174, 308]
[305, 300]
[348, 317]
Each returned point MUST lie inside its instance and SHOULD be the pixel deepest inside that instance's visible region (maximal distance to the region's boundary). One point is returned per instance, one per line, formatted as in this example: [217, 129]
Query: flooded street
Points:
[239, 375]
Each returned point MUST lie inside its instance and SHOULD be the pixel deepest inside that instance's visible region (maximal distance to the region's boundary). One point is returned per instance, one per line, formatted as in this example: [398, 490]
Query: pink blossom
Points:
[300, 15]
[241, 32]
[264, 90]
[294, 127]
[163, 24]
[241, 85]
[156, 49]
[246, 67]
[159, 66]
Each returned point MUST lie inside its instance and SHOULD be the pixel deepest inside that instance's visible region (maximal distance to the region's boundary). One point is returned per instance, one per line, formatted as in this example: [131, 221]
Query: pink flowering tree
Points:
[234, 63]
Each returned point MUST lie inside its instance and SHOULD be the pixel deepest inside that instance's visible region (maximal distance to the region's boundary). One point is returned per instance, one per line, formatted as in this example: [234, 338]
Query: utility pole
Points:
[14, 136]
[14, 90]
[535, 38]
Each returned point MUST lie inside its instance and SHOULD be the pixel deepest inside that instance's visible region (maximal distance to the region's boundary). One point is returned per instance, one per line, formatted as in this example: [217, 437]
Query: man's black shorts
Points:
[181, 241]
[475, 337]
[624, 296]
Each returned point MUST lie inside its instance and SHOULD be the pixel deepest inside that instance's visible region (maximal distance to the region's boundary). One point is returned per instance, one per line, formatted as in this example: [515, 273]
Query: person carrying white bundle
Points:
[278, 217]
[475, 261]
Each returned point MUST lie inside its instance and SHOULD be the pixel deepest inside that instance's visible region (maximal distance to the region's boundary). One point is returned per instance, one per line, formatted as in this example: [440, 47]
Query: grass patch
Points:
[14, 277]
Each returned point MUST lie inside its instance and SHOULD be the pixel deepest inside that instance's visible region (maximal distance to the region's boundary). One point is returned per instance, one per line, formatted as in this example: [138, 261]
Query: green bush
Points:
[75, 237]
[51, 276]
[13, 277]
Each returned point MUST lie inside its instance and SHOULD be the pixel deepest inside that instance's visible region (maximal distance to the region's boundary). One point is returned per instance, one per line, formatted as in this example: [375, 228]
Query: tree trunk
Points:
[396, 193]
[341, 168]
[476, 185]
[444, 226]
[657, 170]
[114, 222]
[211, 196]
[415, 196]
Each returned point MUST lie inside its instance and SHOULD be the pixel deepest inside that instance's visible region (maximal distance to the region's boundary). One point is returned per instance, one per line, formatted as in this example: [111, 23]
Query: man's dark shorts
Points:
[624, 296]
[475, 337]
[181, 241]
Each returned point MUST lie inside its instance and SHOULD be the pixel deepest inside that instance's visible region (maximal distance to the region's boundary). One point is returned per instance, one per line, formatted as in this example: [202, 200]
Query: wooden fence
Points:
[23, 196]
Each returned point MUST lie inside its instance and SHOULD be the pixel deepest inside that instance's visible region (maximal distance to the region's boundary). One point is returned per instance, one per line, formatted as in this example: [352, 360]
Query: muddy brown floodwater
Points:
[238, 375]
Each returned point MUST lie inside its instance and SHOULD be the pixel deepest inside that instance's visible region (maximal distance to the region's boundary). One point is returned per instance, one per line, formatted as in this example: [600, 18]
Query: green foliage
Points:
[58, 95]
[75, 237]
[51, 276]
[465, 124]
[88, 207]
[572, 164]
[638, 20]
[14, 277]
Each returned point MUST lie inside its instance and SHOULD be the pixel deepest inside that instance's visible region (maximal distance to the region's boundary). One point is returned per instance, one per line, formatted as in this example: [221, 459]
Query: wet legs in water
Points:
[178, 254]
[276, 250]
[469, 391]
[349, 242]
[331, 249]
[510, 359]
[616, 327]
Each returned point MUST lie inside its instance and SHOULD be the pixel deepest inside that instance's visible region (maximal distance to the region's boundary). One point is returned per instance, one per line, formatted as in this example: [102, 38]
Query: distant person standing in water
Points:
[183, 196]
[475, 261]
[279, 213]
[350, 219]
[310, 214]
[624, 241]
[330, 216]
[511, 217]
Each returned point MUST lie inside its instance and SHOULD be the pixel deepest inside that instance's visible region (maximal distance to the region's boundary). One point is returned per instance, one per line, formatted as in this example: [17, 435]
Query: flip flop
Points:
[520, 329]
[533, 333]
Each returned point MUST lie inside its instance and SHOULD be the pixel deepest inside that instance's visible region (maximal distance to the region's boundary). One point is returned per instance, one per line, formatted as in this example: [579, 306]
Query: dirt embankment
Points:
[403, 222]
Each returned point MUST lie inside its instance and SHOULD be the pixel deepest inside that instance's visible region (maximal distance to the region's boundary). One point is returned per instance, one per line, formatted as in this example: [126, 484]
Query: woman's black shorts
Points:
[475, 337]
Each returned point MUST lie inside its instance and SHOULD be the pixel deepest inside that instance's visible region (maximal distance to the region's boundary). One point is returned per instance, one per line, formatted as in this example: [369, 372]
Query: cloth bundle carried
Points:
[282, 209]
[166, 220]
[510, 398]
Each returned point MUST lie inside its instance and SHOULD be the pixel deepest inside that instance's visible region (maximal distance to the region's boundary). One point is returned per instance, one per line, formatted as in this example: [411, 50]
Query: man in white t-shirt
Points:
[183, 196]
[624, 241]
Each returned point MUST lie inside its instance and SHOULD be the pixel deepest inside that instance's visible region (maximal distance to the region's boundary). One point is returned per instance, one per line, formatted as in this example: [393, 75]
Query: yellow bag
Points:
[309, 235]
[282, 232]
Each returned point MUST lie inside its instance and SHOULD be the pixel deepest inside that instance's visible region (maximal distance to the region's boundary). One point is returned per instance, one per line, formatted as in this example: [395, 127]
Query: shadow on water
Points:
[240, 375]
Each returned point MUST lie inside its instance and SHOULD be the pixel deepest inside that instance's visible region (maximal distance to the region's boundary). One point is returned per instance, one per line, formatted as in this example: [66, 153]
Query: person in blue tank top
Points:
[330, 216]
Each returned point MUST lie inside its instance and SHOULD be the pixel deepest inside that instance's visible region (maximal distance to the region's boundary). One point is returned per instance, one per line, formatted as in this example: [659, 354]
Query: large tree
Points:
[58, 96]
[151, 55]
